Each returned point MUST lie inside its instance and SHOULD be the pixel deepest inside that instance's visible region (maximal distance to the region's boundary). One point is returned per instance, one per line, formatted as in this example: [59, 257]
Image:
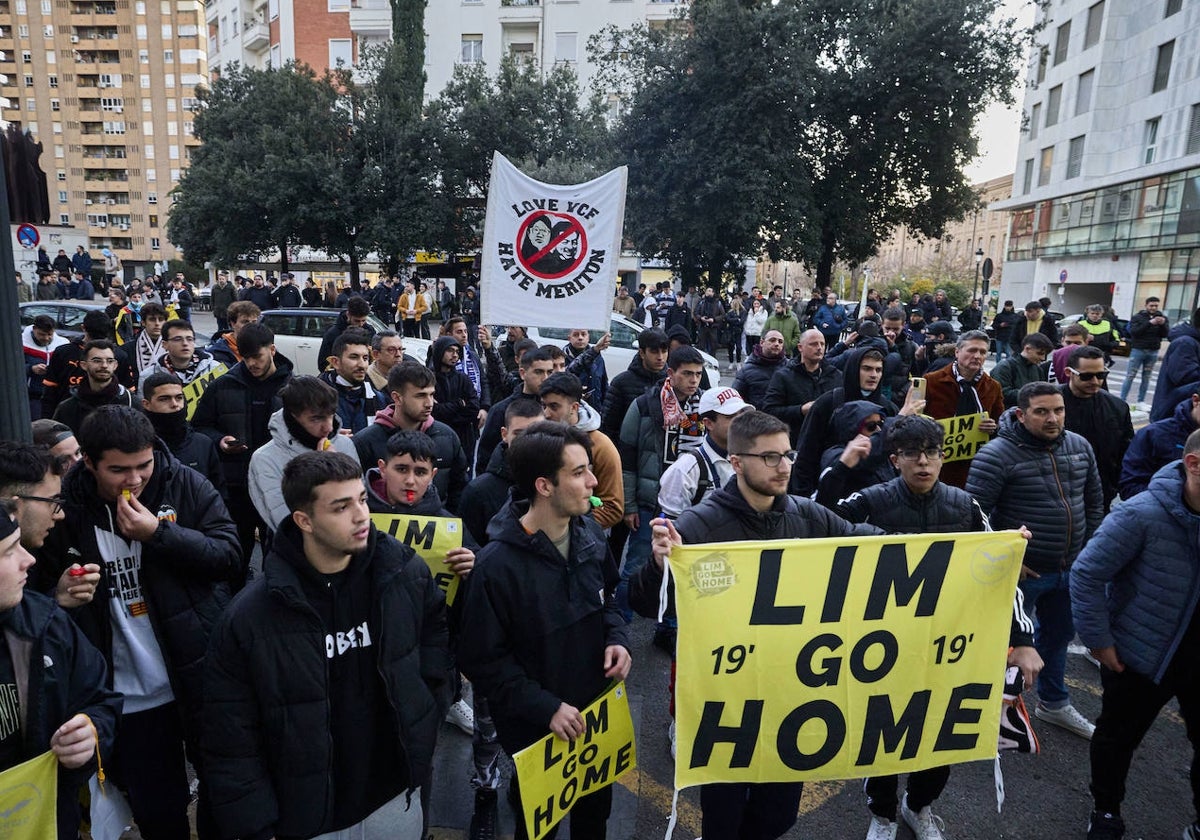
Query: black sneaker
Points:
[664, 640]
[1104, 826]
[486, 816]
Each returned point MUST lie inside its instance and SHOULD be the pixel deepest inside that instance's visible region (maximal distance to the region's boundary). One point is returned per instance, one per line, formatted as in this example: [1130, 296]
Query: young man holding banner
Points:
[962, 388]
[754, 505]
[916, 502]
[542, 636]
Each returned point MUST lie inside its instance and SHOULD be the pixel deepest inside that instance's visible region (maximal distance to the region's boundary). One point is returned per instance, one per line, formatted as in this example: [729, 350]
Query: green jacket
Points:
[789, 325]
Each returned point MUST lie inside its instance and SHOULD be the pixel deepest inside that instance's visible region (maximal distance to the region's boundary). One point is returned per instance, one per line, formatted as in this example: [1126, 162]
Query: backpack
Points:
[704, 482]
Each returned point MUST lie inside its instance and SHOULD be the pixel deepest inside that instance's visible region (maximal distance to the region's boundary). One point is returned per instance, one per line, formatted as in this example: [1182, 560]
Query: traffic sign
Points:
[28, 236]
[987, 268]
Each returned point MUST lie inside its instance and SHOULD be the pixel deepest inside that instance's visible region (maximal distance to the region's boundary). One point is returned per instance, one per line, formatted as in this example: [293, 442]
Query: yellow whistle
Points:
[127, 495]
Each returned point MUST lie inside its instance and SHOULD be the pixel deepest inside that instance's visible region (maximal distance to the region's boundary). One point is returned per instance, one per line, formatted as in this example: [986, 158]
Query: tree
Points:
[533, 119]
[262, 178]
[709, 99]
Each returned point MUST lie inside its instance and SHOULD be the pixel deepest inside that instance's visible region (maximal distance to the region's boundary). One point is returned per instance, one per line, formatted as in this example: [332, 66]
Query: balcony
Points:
[371, 18]
[516, 11]
[256, 36]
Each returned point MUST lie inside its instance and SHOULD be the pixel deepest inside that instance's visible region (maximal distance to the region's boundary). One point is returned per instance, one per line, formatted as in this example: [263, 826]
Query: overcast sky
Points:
[999, 128]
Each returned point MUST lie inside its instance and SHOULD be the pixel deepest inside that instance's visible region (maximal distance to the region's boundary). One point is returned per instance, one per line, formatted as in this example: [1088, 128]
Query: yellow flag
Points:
[839, 659]
[194, 390]
[553, 773]
[962, 437]
[28, 800]
[430, 537]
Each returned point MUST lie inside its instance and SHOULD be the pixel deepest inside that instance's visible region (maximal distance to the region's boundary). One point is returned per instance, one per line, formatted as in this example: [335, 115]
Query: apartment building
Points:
[1106, 197]
[109, 88]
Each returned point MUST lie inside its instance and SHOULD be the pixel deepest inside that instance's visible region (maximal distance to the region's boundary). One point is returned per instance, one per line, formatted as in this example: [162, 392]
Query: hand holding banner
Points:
[819, 659]
[553, 773]
[962, 437]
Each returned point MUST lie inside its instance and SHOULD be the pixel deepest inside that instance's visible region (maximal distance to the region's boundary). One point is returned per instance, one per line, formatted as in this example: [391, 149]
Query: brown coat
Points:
[606, 465]
[941, 402]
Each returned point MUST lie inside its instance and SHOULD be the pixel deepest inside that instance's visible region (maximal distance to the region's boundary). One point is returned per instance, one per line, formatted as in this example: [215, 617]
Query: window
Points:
[140, 7]
[23, 30]
[152, 220]
[55, 105]
[144, 81]
[168, 56]
[30, 104]
[1083, 94]
[1074, 157]
[64, 219]
[1151, 142]
[112, 103]
[341, 52]
[276, 56]
[152, 198]
[1061, 40]
[51, 57]
[173, 152]
[564, 47]
[224, 29]
[1091, 35]
[174, 176]
[522, 51]
[26, 57]
[151, 174]
[1053, 102]
[147, 106]
[1162, 67]
[1043, 59]
[172, 128]
[144, 56]
[1193, 137]
[472, 49]
[62, 196]
[52, 81]
[21, 10]
[154, 243]
[1173, 6]
[169, 80]
[167, 32]
[29, 81]
[1027, 178]
[171, 106]
[46, 10]
[273, 8]
[48, 30]
[62, 176]
[117, 127]
[1035, 120]
[1046, 163]
[339, 5]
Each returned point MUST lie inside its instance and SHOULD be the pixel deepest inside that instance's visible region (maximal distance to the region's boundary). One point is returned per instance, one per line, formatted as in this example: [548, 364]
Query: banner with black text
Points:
[550, 252]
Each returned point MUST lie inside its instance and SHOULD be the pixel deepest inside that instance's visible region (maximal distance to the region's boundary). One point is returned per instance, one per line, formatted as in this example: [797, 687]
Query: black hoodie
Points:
[487, 494]
[535, 625]
[818, 433]
[626, 387]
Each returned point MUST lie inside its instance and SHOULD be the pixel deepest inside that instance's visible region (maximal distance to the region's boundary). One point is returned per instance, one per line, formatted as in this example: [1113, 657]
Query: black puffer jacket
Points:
[65, 675]
[238, 404]
[1051, 487]
[451, 464]
[535, 625]
[755, 376]
[626, 387]
[726, 516]
[184, 570]
[267, 736]
[487, 495]
[792, 386]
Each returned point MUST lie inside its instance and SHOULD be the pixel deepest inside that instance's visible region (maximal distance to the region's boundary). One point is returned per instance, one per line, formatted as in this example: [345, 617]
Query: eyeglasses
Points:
[104, 362]
[933, 453]
[1088, 377]
[56, 502]
[182, 339]
[771, 459]
[873, 426]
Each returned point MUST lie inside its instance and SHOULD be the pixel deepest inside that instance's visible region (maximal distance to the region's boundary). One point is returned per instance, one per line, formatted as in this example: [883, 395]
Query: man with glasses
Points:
[1100, 418]
[1039, 475]
[182, 358]
[754, 505]
[963, 388]
[916, 502]
[100, 387]
[387, 351]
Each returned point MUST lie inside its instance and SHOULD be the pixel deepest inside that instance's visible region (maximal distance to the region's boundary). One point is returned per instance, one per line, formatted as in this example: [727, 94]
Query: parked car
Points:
[621, 350]
[298, 334]
[68, 315]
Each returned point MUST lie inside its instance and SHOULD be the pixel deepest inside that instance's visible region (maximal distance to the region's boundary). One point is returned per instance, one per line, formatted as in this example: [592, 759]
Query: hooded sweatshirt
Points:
[606, 465]
[837, 480]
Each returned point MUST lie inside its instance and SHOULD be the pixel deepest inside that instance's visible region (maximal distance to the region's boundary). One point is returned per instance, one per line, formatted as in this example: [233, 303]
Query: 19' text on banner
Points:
[430, 537]
[550, 252]
[553, 773]
[840, 659]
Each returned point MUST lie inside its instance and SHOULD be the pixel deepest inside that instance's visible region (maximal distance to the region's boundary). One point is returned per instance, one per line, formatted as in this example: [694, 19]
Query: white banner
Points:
[550, 252]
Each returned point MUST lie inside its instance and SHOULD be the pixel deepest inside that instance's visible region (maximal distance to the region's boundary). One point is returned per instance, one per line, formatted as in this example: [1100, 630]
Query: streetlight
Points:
[978, 261]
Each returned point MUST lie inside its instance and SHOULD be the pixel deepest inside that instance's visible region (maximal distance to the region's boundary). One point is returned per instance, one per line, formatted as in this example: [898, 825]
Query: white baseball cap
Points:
[725, 401]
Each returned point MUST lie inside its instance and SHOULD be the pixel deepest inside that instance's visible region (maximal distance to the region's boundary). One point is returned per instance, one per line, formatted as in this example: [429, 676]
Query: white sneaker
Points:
[460, 715]
[924, 823]
[671, 735]
[1067, 718]
[881, 829]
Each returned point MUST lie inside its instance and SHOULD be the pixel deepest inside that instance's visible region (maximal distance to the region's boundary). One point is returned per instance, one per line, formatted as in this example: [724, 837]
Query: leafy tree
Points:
[261, 178]
[533, 119]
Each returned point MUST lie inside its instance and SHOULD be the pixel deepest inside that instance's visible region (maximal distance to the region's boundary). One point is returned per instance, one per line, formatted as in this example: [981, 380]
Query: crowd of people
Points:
[225, 601]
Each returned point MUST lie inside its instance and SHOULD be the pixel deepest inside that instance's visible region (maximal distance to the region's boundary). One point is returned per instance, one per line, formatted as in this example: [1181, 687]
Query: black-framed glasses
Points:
[933, 453]
[771, 459]
[56, 502]
[1090, 375]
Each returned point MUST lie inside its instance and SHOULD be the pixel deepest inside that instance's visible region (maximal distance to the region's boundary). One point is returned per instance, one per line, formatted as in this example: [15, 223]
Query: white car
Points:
[621, 351]
[298, 334]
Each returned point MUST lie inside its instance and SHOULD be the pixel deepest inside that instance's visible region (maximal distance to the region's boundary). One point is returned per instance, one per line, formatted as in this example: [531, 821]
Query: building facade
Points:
[108, 87]
[1106, 197]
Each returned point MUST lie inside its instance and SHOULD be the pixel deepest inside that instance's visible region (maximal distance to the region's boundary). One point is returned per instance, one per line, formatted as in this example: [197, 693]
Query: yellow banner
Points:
[963, 437]
[196, 388]
[553, 773]
[803, 660]
[430, 537]
[29, 800]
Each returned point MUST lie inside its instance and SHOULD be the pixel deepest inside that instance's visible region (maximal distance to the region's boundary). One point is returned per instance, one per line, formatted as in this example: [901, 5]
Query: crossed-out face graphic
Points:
[552, 245]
